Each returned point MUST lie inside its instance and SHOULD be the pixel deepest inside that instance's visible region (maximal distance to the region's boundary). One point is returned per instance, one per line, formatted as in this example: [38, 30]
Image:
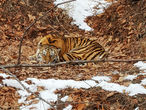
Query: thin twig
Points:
[25, 88]
[142, 103]
[27, 28]
[64, 2]
[61, 25]
[68, 62]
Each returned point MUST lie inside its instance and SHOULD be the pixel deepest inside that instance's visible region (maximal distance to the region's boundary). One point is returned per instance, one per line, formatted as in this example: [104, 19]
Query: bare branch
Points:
[61, 25]
[65, 2]
[27, 28]
[68, 62]
[25, 88]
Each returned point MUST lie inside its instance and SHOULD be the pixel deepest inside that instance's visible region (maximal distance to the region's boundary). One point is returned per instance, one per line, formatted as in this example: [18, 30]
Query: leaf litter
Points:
[120, 29]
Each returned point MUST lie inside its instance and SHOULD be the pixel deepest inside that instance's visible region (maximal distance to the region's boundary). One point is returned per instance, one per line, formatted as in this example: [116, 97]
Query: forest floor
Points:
[120, 30]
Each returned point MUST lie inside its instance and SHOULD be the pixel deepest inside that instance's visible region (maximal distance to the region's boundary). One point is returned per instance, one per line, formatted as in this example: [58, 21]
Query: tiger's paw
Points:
[33, 59]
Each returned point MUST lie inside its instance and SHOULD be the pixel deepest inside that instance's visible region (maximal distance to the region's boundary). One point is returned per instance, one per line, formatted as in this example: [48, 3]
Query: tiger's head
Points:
[52, 40]
[48, 54]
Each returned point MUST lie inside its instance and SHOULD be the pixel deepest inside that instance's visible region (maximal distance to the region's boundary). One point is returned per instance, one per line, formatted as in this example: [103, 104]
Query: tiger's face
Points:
[47, 54]
[50, 40]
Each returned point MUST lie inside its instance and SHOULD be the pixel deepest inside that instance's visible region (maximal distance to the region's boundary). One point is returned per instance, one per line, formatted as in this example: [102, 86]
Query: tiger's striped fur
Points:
[74, 48]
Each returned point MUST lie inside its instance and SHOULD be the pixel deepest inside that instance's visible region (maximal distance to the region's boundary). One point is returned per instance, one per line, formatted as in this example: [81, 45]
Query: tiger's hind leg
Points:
[71, 57]
[103, 56]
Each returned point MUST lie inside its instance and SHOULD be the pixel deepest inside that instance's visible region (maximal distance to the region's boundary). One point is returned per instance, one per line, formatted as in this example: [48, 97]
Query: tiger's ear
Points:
[48, 36]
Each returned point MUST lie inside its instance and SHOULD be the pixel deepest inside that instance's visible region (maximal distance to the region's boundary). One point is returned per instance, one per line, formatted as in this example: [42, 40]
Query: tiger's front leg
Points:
[33, 57]
[38, 56]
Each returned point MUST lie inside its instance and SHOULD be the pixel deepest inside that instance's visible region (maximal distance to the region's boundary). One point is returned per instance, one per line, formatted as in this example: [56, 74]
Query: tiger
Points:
[70, 49]
[46, 54]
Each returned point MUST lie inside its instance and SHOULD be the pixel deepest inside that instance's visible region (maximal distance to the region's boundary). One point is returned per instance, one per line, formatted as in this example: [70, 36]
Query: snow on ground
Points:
[4, 75]
[141, 65]
[130, 77]
[69, 107]
[50, 85]
[101, 78]
[143, 82]
[80, 9]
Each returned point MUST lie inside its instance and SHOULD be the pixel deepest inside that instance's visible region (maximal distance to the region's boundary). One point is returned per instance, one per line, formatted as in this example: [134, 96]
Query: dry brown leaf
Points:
[110, 0]
[34, 101]
[110, 94]
[40, 88]
[110, 38]
[29, 82]
[1, 78]
[80, 106]
[70, 99]
[97, 105]
[127, 83]
[31, 17]
[115, 77]
[30, 97]
[32, 108]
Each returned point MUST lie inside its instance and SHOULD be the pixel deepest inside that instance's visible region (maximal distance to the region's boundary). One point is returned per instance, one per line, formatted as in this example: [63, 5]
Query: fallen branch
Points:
[67, 62]
[28, 27]
[25, 88]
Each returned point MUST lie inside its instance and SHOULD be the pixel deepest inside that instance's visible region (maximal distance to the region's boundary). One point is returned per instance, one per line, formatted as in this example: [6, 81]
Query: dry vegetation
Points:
[121, 30]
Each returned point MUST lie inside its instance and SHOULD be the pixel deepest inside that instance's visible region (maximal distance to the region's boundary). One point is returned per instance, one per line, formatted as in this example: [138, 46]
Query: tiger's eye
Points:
[49, 40]
[40, 43]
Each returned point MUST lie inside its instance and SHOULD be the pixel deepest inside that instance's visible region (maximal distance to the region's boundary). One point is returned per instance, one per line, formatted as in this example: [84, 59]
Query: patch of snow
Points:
[101, 78]
[48, 95]
[39, 106]
[115, 72]
[134, 89]
[130, 77]
[111, 86]
[12, 83]
[69, 107]
[143, 82]
[81, 9]
[4, 75]
[141, 65]
[64, 98]
[50, 85]
[142, 73]
[24, 94]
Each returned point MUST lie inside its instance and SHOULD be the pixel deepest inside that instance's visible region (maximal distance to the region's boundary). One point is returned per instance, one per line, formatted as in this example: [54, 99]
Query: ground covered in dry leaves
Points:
[121, 30]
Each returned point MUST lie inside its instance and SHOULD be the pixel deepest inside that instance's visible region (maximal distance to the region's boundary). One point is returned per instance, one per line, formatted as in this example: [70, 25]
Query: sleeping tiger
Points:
[69, 49]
